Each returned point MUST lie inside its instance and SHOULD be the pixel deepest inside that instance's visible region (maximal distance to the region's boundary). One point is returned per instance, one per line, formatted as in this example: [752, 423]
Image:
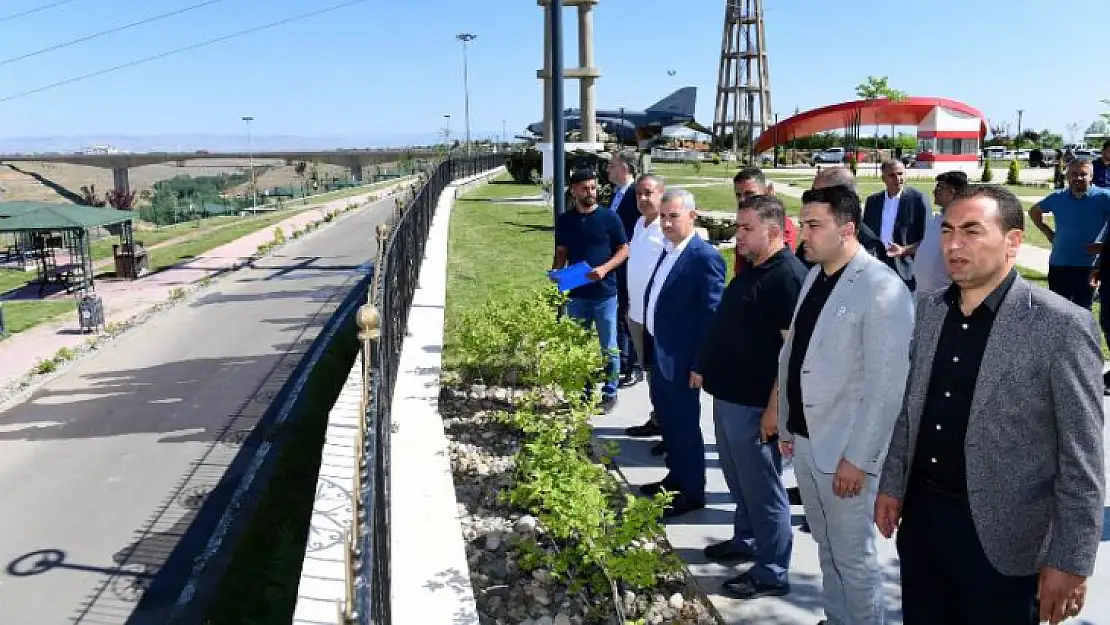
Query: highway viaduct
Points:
[121, 163]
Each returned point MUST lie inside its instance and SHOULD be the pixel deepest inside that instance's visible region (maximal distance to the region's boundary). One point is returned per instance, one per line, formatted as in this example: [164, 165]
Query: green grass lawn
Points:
[496, 249]
[173, 254]
[21, 315]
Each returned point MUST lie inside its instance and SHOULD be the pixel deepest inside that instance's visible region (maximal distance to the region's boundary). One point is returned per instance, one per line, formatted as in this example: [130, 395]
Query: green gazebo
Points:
[42, 227]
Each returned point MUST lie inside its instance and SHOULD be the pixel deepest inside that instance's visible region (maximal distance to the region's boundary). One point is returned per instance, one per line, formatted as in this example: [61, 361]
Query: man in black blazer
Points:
[622, 173]
[898, 216]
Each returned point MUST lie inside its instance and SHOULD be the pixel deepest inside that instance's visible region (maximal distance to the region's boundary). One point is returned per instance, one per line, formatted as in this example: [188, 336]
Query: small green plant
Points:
[114, 328]
[177, 293]
[853, 165]
[205, 281]
[988, 175]
[64, 354]
[279, 236]
[44, 366]
[1013, 174]
[263, 249]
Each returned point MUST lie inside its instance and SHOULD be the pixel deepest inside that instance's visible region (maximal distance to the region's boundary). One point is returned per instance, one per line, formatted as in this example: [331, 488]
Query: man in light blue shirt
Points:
[1080, 212]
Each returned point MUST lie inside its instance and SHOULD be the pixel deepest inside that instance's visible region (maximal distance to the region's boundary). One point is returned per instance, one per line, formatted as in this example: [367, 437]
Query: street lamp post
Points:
[250, 156]
[466, 38]
[447, 129]
[558, 122]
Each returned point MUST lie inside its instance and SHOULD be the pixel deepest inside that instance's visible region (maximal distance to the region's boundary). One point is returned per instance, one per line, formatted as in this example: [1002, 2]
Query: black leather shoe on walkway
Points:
[744, 587]
[651, 428]
[681, 505]
[727, 551]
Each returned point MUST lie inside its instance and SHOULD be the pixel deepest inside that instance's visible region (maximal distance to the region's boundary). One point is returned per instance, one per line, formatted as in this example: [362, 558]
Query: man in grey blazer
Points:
[841, 376]
[898, 215]
[994, 479]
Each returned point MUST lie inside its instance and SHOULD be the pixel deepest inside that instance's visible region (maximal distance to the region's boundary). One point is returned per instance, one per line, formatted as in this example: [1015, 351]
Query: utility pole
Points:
[250, 156]
[1017, 139]
[466, 38]
[504, 132]
[448, 131]
[558, 121]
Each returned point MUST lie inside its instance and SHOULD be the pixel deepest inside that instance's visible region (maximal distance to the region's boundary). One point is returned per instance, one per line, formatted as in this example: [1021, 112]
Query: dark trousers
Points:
[678, 408]
[1072, 284]
[946, 577]
[629, 360]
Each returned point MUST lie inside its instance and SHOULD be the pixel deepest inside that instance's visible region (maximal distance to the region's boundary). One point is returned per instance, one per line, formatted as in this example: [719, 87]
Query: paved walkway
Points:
[692, 532]
[125, 300]
[104, 469]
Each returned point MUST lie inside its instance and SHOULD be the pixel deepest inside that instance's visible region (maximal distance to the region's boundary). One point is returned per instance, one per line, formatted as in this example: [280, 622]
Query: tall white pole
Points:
[466, 38]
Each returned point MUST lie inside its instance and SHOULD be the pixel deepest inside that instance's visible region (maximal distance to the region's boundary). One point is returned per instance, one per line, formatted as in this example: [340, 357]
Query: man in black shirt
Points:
[595, 236]
[738, 367]
[994, 479]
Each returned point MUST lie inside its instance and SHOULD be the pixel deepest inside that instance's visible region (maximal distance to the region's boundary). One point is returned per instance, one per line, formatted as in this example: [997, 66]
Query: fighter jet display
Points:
[628, 125]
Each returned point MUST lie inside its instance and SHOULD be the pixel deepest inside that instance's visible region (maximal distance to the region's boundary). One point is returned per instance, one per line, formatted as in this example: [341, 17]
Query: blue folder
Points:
[571, 277]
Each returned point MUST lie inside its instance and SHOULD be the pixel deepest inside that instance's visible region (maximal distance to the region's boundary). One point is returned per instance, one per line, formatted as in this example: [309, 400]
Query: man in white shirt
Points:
[622, 175]
[929, 270]
[643, 252]
[898, 215]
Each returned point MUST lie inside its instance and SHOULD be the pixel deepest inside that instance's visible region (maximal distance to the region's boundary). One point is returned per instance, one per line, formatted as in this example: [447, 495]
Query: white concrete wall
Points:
[430, 577]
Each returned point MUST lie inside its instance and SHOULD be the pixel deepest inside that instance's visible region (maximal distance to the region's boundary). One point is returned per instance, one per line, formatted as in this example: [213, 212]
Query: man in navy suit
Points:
[622, 173]
[679, 303]
[899, 216]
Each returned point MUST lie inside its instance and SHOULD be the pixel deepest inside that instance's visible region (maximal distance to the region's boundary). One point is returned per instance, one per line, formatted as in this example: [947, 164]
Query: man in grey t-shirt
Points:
[929, 270]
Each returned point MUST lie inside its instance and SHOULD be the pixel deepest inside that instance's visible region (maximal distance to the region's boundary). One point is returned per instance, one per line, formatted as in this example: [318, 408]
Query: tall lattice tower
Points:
[743, 87]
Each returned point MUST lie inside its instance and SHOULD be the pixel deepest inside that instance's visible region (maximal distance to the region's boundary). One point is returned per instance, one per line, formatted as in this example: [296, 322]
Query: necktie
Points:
[651, 281]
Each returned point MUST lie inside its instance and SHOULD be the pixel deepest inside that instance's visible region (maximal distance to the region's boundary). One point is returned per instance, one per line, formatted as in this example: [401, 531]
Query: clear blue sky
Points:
[386, 68]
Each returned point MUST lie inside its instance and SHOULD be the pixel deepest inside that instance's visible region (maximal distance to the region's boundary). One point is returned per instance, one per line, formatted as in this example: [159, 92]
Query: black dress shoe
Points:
[804, 527]
[651, 428]
[744, 587]
[658, 449]
[727, 551]
[794, 495]
[632, 378]
[652, 488]
[681, 505]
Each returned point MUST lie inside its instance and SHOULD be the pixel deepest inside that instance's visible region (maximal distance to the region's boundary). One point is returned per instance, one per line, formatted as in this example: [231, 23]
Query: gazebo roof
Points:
[53, 217]
[12, 209]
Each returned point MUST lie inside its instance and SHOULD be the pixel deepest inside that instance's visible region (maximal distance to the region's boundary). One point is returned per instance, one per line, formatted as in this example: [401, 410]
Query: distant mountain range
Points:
[212, 142]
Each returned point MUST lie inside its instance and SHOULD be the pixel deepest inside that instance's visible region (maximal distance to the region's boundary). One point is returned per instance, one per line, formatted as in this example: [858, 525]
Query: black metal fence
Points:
[396, 274]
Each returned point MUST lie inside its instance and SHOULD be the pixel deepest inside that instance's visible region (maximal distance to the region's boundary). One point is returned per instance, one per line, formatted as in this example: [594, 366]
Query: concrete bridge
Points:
[121, 163]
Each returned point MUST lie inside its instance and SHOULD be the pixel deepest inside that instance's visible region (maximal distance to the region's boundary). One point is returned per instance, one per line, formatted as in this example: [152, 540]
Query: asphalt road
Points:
[103, 468]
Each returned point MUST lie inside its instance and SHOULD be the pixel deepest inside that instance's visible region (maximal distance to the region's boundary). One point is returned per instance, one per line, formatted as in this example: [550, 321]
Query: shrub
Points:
[1013, 174]
[44, 366]
[988, 175]
[852, 165]
[64, 354]
[279, 235]
[600, 538]
[177, 293]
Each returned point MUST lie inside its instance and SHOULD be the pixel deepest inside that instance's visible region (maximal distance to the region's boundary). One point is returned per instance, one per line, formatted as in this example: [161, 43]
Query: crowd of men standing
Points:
[919, 384]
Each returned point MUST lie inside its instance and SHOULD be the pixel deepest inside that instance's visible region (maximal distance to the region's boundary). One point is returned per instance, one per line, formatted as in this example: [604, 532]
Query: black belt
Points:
[935, 489]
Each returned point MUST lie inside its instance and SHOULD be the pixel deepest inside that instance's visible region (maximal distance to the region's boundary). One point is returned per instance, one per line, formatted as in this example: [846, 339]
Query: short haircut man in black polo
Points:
[739, 366]
[595, 236]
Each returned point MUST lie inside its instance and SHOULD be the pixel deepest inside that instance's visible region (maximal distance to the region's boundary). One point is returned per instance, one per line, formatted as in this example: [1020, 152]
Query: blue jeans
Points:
[753, 472]
[602, 315]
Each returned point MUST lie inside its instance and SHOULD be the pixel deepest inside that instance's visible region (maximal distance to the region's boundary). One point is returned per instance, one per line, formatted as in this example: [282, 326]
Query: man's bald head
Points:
[834, 177]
